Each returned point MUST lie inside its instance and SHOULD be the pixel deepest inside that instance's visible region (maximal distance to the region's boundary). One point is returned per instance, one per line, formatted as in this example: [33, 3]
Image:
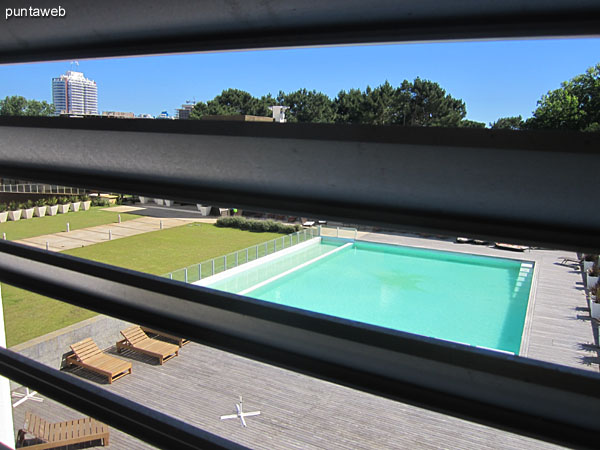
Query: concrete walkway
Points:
[94, 235]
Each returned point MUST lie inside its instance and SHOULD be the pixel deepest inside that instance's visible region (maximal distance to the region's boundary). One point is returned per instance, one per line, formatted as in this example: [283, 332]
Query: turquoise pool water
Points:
[464, 298]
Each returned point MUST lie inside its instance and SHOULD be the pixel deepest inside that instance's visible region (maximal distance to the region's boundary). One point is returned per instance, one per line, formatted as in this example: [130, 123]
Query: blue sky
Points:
[494, 78]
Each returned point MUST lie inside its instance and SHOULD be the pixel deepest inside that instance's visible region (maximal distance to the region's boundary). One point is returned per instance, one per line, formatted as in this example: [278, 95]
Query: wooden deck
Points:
[301, 412]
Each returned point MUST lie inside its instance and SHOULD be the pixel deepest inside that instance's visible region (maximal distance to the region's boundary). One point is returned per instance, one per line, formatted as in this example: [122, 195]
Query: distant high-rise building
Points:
[72, 93]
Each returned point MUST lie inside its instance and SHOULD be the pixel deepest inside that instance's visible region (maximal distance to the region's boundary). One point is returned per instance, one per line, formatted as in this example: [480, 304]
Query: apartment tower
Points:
[72, 93]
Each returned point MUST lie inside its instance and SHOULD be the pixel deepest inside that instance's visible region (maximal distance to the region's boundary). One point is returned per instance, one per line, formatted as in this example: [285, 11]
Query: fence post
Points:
[199, 271]
[68, 227]
[119, 218]
[170, 275]
[161, 225]
[185, 274]
[213, 266]
[224, 263]
[246, 254]
[109, 235]
[256, 251]
[47, 246]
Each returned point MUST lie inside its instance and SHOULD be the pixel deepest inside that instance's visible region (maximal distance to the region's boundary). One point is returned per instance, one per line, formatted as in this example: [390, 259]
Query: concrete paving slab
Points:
[94, 235]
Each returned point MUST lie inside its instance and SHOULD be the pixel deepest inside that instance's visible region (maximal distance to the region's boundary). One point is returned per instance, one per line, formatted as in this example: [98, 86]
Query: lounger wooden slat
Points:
[62, 434]
[137, 340]
[179, 340]
[90, 357]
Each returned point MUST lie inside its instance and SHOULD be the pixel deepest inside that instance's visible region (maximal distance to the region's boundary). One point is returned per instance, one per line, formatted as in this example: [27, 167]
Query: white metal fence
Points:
[40, 189]
[213, 266]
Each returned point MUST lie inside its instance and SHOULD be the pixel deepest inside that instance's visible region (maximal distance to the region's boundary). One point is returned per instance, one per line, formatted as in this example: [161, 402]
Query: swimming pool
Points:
[464, 298]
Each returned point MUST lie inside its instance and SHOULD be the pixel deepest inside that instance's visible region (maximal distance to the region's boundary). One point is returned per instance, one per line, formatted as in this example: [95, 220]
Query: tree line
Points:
[20, 106]
[417, 103]
[575, 105]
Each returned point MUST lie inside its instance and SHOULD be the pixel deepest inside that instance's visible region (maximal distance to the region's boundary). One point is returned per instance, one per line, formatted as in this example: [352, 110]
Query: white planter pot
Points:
[39, 211]
[159, 201]
[63, 209]
[28, 213]
[594, 309]
[52, 210]
[86, 205]
[75, 206]
[14, 215]
[168, 202]
[143, 199]
[591, 281]
[3, 216]
[204, 210]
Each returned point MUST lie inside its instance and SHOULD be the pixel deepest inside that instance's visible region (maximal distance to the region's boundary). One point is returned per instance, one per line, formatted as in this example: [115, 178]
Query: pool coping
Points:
[528, 323]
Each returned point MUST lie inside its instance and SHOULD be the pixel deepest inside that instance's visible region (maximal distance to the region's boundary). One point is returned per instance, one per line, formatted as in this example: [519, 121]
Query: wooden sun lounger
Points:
[89, 356]
[518, 248]
[179, 340]
[570, 262]
[63, 433]
[137, 340]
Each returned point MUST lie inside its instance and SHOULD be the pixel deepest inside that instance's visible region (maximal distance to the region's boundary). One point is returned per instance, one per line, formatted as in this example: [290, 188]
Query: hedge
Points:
[256, 225]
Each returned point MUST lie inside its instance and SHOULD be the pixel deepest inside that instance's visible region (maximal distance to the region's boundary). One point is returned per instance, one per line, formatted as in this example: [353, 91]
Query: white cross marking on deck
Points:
[28, 395]
[240, 413]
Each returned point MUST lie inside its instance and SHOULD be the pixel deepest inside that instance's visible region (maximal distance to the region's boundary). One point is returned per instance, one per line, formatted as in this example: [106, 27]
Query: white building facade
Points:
[72, 93]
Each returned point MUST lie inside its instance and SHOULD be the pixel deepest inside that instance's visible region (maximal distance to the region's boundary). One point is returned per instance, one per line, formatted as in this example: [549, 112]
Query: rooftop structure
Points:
[279, 113]
[239, 118]
[118, 114]
[184, 112]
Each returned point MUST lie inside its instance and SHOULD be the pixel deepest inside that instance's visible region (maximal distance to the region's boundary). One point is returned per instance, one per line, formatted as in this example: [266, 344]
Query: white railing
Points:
[40, 189]
[339, 232]
[219, 264]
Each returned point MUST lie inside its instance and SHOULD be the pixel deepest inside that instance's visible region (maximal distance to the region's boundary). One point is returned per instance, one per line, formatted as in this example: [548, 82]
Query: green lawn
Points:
[28, 315]
[39, 226]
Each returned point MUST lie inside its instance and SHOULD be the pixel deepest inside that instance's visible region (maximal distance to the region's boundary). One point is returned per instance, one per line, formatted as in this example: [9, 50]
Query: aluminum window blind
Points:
[496, 185]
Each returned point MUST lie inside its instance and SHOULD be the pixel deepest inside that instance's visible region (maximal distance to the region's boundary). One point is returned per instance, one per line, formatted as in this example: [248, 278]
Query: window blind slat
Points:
[502, 186]
[136, 27]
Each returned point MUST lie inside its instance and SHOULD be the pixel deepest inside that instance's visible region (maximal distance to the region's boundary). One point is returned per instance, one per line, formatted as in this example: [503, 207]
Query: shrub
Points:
[40, 202]
[29, 204]
[73, 199]
[3, 207]
[258, 226]
[84, 198]
[99, 201]
[52, 201]
[63, 200]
